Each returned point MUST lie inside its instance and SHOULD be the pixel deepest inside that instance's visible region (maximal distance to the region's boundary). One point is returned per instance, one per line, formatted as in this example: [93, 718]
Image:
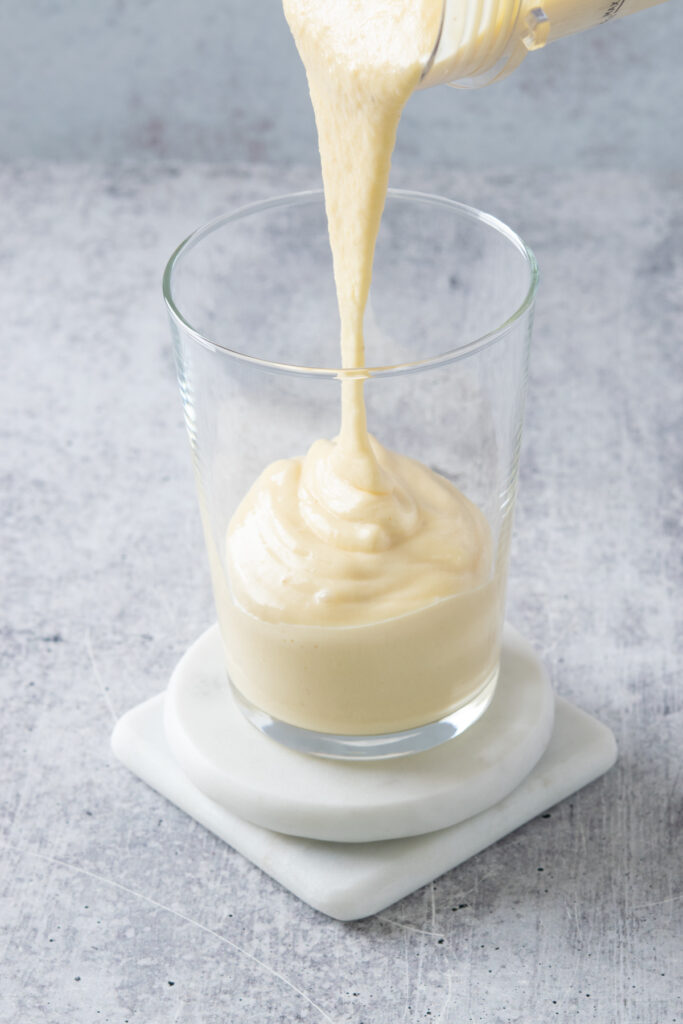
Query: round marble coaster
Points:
[350, 801]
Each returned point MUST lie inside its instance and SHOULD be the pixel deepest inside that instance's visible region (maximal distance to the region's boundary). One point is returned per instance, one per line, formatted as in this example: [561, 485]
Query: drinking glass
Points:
[255, 326]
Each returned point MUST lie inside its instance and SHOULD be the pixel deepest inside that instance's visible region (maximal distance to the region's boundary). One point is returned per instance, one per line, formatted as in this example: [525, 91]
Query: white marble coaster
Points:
[353, 880]
[350, 801]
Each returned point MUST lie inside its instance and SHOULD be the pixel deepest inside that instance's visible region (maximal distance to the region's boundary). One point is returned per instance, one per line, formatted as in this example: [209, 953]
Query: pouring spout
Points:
[482, 41]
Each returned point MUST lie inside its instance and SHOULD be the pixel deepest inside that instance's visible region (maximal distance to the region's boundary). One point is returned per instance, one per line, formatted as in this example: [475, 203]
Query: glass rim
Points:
[345, 373]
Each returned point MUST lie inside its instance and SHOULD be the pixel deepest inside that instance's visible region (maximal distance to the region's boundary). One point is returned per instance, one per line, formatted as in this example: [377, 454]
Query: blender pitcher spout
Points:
[482, 41]
[477, 43]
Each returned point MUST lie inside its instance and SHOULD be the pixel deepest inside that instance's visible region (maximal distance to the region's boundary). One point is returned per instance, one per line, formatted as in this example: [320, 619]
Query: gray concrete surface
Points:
[221, 80]
[118, 908]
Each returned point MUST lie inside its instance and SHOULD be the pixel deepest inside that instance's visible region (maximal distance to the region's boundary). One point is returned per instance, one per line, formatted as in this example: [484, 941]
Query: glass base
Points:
[373, 747]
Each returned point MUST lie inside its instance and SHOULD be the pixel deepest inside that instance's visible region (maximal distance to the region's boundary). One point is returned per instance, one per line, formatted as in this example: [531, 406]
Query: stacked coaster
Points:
[351, 837]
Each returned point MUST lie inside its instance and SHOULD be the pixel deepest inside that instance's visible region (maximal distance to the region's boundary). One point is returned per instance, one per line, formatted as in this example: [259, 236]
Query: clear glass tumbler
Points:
[255, 326]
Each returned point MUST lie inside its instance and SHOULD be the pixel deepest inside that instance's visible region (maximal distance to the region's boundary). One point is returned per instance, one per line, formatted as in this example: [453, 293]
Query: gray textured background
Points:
[221, 80]
[116, 907]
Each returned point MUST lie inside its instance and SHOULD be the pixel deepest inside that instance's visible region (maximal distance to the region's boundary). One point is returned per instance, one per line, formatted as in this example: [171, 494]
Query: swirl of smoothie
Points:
[310, 545]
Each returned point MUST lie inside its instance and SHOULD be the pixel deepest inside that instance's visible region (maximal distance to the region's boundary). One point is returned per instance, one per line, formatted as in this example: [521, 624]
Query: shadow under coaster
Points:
[350, 838]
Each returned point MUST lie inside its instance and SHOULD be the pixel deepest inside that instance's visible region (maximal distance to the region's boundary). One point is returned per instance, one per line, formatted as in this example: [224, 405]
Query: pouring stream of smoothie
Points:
[363, 61]
[352, 532]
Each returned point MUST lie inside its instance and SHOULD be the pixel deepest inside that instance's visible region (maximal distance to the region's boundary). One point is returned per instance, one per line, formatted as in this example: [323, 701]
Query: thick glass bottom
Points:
[373, 747]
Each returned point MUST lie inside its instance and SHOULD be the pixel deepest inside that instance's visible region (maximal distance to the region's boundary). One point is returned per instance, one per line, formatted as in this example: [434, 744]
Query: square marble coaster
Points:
[354, 880]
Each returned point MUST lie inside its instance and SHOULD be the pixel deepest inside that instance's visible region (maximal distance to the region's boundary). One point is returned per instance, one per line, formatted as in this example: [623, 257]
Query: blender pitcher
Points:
[481, 41]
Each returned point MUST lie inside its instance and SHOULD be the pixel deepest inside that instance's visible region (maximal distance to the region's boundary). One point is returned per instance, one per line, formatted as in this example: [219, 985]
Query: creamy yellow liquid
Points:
[362, 594]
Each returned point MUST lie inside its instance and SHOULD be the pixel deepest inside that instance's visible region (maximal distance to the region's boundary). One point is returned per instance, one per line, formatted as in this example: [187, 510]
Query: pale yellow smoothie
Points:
[362, 595]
